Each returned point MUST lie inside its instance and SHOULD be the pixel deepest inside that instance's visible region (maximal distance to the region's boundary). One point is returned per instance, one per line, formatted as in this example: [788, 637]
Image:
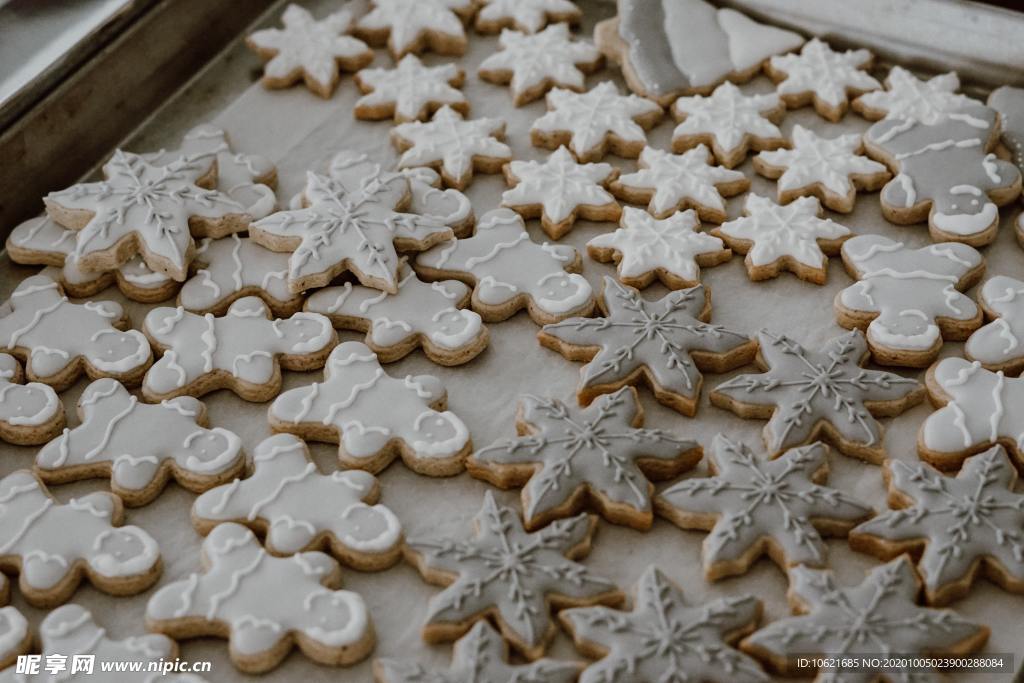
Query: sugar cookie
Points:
[1009, 102]
[528, 16]
[823, 77]
[410, 91]
[414, 26]
[908, 97]
[30, 414]
[15, 635]
[998, 344]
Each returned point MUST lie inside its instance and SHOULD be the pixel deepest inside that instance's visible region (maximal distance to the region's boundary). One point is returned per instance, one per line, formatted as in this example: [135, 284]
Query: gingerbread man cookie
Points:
[59, 340]
[428, 315]
[808, 394]
[998, 345]
[909, 300]
[410, 91]
[449, 206]
[515, 577]
[528, 16]
[15, 635]
[1009, 102]
[30, 414]
[298, 509]
[415, 26]
[243, 351]
[375, 418]
[140, 446]
[53, 546]
[908, 97]
[823, 77]
[670, 250]
[264, 604]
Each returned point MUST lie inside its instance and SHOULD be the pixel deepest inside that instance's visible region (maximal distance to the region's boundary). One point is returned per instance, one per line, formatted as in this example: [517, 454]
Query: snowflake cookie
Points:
[559, 190]
[263, 604]
[596, 122]
[480, 656]
[147, 209]
[946, 173]
[410, 91]
[140, 446]
[878, 617]
[664, 639]
[672, 182]
[909, 300]
[793, 237]
[298, 509]
[351, 222]
[52, 546]
[30, 414]
[58, 340]
[375, 418]
[16, 636]
[528, 16]
[309, 50]
[568, 458]
[810, 394]
[729, 122]
[509, 272]
[831, 169]
[957, 526]
[515, 577]
[755, 506]
[670, 250]
[998, 344]
[428, 315]
[533, 63]
[665, 344]
[822, 77]
[414, 26]
[908, 97]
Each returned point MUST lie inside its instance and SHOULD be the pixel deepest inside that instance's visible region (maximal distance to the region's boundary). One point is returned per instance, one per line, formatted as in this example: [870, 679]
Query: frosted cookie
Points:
[672, 182]
[415, 26]
[428, 315]
[693, 643]
[352, 221]
[236, 267]
[753, 506]
[831, 169]
[908, 97]
[480, 655]
[977, 409]
[296, 508]
[729, 122]
[410, 91]
[264, 605]
[53, 546]
[946, 173]
[59, 340]
[309, 50]
[559, 190]
[909, 300]
[669, 48]
[596, 122]
[806, 395]
[509, 272]
[567, 459]
[243, 350]
[670, 250]
[375, 418]
[1009, 102]
[539, 566]
[140, 446]
[16, 636]
[533, 63]
[793, 237]
[448, 206]
[664, 344]
[955, 525]
[823, 77]
[30, 414]
[999, 345]
[528, 16]
[859, 621]
[147, 209]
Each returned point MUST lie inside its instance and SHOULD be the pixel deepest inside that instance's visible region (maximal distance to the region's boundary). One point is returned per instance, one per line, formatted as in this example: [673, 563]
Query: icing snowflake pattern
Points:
[908, 97]
[823, 75]
[528, 16]
[413, 26]
[410, 91]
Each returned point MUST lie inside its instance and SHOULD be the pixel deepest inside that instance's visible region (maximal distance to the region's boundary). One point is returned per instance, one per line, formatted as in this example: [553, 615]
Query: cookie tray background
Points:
[299, 131]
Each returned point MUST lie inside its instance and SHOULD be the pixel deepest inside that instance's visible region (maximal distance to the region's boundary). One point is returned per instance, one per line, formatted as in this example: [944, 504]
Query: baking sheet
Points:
[300, 131]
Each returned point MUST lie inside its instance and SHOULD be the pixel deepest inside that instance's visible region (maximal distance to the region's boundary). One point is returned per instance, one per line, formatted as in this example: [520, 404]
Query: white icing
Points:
[908, 97]
[830, 76]
[733, 120]
[29, 405]
[408, 21]
[528, 16]
[560, 186]
[413, 90]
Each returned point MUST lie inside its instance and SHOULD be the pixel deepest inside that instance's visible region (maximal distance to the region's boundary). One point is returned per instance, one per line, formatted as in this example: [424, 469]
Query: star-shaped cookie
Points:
[908, 97]
[823, 77]
[414, 26]
[410, 91]
[528, 16]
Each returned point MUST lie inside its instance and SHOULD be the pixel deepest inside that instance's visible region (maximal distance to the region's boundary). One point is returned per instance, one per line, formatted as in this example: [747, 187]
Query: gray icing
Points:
[480, 656]
[652, 339]
[960, 521]
[816, 392]
[1000, 343]
[25, 407]
[948, 163]
[754, 499]
[598, 450]
[1009, 102]
[15, 635]
[908, 289]
[879, 617]
[664, 639]
[449, 206]
[682, 45]
[510, 573]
